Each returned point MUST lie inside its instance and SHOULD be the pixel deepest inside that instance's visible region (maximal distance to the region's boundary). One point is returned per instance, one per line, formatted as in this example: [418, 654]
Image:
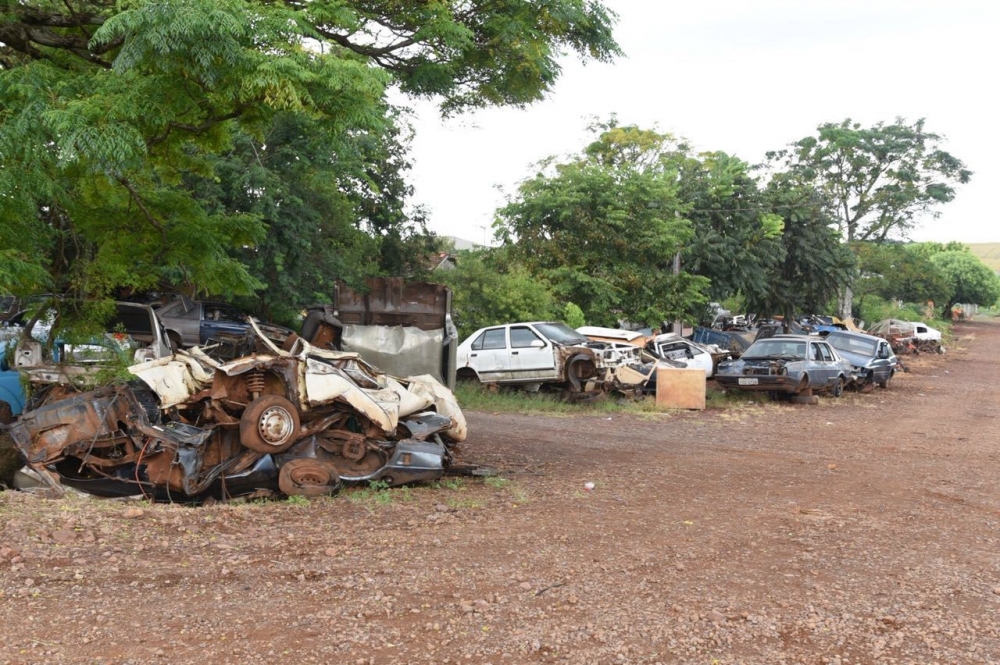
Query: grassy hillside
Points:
[988, 253]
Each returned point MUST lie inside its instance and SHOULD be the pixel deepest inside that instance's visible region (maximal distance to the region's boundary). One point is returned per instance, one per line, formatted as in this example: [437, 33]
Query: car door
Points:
[183, 318]
[531, 357]
[831, 370]
[489, 355]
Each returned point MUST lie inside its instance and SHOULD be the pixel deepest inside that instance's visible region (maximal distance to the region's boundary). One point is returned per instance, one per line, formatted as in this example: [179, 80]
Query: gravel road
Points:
[861, 530]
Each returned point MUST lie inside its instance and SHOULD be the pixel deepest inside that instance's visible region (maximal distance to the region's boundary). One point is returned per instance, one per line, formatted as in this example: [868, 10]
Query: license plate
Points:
[748, 382]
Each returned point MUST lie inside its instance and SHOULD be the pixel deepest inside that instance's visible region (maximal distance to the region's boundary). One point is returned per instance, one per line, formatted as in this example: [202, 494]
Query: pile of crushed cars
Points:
[295, 419]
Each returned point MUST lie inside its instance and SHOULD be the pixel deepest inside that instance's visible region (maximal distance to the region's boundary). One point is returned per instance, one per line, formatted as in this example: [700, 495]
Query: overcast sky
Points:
[742, 77]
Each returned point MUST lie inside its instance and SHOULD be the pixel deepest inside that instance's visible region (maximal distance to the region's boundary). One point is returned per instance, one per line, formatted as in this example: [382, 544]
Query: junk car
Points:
[302, 421]
[871, 358]
[133, 331]
[787, 364]
[220, 329]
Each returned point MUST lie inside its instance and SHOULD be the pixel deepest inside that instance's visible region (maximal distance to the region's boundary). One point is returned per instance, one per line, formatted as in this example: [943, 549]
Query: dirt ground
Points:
[861, 530]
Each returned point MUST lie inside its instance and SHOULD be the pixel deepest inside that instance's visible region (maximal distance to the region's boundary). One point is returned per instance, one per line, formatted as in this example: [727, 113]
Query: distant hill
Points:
[987, 252]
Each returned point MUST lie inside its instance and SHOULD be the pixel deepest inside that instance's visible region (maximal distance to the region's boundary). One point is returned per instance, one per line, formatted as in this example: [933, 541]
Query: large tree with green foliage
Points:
[814, 262]
[896, 271]
[880, 180]
[603, 229]
[737, 241]
[113, 115]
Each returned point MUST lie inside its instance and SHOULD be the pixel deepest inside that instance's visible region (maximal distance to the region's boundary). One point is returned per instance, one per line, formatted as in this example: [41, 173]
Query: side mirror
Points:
[537, 344]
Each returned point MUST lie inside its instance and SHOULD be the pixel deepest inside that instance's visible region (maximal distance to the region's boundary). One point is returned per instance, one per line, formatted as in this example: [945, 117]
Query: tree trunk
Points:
[845, 302]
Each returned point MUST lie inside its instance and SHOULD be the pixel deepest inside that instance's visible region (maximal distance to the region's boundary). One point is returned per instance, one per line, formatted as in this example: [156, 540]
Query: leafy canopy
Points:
[880, 180]
[603, 229]
[116, 118]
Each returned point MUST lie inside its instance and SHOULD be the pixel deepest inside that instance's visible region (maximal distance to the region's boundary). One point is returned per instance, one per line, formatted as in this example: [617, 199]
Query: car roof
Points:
[857, 335]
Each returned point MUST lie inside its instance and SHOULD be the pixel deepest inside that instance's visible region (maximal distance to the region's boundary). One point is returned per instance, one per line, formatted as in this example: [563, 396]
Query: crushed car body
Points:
[301, 422]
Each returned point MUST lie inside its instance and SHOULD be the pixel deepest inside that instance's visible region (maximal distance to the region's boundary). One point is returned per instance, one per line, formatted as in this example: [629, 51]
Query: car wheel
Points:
[803, 384]
[308, 477]
[885, 384]
[838, 388]
[466, 374]
[269, 425]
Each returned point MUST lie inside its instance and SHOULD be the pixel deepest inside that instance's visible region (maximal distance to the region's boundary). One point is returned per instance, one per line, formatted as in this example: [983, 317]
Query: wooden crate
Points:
[680, 388]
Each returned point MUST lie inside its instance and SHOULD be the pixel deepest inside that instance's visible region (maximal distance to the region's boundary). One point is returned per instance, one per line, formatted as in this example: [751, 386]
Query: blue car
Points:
[11, 390]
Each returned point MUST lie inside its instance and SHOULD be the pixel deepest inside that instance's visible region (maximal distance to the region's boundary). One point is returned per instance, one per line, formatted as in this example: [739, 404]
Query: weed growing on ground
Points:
[297, 500]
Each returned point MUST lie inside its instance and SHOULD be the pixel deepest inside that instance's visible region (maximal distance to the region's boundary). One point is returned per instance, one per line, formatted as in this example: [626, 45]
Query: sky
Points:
[741, 77]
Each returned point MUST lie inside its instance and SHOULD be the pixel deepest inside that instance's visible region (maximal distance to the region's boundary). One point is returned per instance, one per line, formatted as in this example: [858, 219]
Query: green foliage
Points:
[488, 288]
[880, 180]
[875, 308]
[573, 316]
[971, 281]
[737, 242]
[815, 264]
[893, 271]
[134, 135]
[603, 228]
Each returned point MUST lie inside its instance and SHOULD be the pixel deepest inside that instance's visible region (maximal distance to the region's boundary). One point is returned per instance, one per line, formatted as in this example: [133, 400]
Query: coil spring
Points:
[255, 382]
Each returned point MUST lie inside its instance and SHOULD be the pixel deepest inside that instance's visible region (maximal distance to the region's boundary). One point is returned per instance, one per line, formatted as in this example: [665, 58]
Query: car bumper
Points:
[781, 384]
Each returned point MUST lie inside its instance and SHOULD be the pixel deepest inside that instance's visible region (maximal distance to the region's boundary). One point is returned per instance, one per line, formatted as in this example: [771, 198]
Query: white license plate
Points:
[748, 382]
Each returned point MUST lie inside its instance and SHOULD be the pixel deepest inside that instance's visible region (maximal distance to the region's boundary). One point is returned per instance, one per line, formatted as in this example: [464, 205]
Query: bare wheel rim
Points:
[310, 476]
[275, 425]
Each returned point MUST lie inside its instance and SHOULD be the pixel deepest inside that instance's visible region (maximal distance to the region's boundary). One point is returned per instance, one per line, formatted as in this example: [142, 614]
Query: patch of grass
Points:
[376, 492]
[297, 500]
[508, 399]
[460, 504]
[496, 482]
[734, 399]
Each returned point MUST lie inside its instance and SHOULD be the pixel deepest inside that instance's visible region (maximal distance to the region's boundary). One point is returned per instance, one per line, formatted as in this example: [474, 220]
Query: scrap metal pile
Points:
[301, 421]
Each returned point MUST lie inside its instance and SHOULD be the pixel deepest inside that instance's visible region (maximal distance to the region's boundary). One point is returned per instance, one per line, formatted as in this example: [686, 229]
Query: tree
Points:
[111, 112]
[488, 288]
[815, 263]
[737, 242]
[895, 271]
[970, 279]
[880, 180]
[603, 229]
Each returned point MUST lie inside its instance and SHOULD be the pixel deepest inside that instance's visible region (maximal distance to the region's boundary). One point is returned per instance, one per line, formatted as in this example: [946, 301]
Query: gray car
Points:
[872, 358]
[787, 364]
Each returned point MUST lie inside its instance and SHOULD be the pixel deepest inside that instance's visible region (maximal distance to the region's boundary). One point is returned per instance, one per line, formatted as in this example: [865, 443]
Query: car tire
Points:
[308, 477]
[270, 424]
[467, 374]
[885, 384]
[838, 388]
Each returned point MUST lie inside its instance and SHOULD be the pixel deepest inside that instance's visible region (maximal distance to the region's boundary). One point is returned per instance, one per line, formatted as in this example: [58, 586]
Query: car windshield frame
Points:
[560, 333]
[776, 348]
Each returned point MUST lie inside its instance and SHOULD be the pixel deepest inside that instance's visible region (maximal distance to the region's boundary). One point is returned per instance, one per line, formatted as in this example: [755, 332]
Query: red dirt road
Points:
[862, 530]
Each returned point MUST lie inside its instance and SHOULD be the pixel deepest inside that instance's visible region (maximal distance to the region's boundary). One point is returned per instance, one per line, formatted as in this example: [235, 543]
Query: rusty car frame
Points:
[299, 422]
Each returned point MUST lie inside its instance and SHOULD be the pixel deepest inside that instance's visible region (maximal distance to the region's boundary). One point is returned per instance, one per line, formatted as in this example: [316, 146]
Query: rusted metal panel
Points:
[404, 328]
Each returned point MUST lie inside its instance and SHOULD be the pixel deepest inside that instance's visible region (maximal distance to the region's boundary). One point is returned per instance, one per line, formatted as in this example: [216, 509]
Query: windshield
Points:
[560, 333]
[864, 347]
[776, 348]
